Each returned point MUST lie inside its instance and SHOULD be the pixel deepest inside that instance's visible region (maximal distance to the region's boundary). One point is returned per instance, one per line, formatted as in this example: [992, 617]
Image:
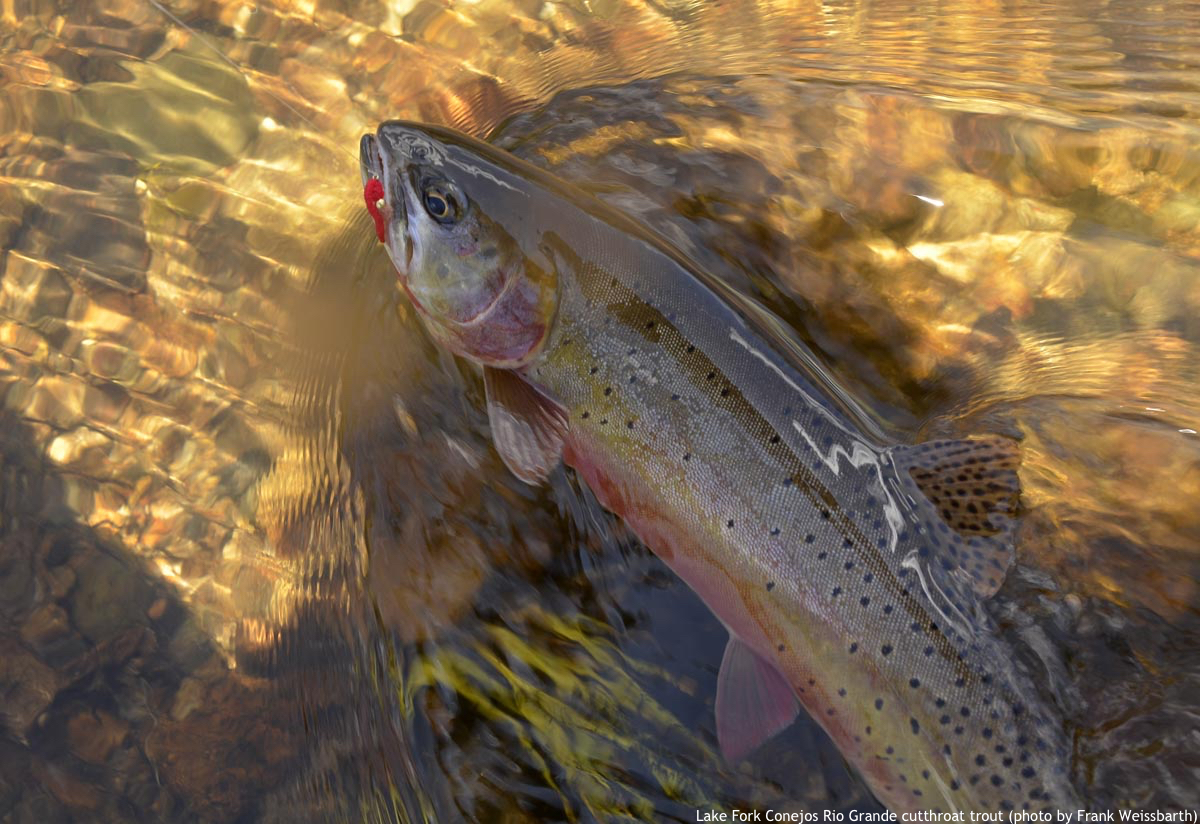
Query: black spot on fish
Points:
[674, 397]
[775, 531]
[586, 414]
[603, 421]
[825, 514]
[711, 375]
[987, 732]
[849, 565]
[837, 591]
[887, 609]
[886, 649]
[890, 750]
[941, 702]
[960, 682]
[774, 439]
[928, 651]
[878, 703]
[687, 456]
[916, 728]
[958, 730]
[842, 692]
[633, 378]
[629, 424]
[691, 349]
[854, 648]
[782, 647]
[770, 584]
[966, 713]
[945, 719]
[868, 578]
[925, 774]
[593, 370]
[787, 481]
[1028, 772]
[980, 760]
[822, 555]
[808, 539]
[865, 601]
[997, 781]
[954, 785]
[729, 524]
[608, 390]
[914, 682]
[725, 392]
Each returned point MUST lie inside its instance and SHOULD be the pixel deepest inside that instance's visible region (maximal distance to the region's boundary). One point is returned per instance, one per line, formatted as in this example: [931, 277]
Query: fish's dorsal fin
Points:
[972, 488]
[527, 427]
[754, 701]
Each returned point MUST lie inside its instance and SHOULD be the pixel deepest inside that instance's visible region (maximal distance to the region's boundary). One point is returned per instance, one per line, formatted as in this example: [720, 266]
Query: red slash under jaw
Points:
[372, 194]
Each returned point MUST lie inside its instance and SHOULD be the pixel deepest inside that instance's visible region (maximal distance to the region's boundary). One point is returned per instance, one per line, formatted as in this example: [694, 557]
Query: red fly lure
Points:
[373, 193]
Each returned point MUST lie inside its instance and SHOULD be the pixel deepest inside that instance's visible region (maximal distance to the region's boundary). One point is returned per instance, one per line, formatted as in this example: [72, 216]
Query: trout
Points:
[851, 574]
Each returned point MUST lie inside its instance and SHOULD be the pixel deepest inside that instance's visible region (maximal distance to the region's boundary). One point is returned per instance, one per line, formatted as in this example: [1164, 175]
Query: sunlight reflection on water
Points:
[260, 558]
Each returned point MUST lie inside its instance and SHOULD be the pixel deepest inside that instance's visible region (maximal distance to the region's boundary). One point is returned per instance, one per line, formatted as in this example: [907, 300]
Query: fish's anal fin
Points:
[754, 701]
[527, 427]
[972, 486]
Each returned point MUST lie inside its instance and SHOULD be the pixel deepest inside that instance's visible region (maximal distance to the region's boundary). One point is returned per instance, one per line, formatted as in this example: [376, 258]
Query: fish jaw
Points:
[390, 210]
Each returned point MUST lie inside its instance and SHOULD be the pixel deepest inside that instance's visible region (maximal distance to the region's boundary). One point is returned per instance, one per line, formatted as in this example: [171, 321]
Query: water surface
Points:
[259, 560]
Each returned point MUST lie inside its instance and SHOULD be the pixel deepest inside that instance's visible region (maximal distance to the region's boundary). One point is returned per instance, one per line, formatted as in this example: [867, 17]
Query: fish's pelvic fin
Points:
[754, 701]
[971, 486]
[527, 427]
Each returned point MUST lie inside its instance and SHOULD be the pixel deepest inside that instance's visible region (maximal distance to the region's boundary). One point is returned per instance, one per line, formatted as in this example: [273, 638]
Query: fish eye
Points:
[441, 203]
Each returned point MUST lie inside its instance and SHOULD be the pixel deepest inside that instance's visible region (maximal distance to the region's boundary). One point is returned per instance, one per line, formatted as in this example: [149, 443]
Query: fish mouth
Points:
[373, 165]
[370, 161]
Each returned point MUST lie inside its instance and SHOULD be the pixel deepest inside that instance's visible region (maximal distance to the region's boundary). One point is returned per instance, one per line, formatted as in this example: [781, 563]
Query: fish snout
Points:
[370, 163]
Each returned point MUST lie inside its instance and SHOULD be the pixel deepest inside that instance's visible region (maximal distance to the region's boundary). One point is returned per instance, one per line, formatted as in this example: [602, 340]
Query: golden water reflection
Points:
[260, 559]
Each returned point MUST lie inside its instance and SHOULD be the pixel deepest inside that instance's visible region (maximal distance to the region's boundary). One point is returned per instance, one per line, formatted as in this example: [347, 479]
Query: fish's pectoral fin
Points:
[973, 488]
[754, 701]
[527, 427]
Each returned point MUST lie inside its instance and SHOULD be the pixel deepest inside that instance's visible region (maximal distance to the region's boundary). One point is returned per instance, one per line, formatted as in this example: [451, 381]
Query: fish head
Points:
[455, 217]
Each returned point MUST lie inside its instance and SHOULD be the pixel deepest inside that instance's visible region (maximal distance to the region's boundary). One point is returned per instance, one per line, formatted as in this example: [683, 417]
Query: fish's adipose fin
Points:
[527, 427]
[754, 701]
[973, 488]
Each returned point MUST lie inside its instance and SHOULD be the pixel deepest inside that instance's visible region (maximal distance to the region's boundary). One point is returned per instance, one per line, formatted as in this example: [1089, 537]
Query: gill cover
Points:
[457, 227]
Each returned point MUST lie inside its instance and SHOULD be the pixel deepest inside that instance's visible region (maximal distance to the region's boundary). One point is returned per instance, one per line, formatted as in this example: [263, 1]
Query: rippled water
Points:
[259, 560]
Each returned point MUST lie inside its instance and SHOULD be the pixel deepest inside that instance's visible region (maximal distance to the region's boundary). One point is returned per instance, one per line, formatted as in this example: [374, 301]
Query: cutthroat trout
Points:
[850, 574]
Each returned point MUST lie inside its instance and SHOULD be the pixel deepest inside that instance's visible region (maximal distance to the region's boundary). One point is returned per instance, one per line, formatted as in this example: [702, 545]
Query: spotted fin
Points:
[754, 702]
[972, 488]
[527, 427]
